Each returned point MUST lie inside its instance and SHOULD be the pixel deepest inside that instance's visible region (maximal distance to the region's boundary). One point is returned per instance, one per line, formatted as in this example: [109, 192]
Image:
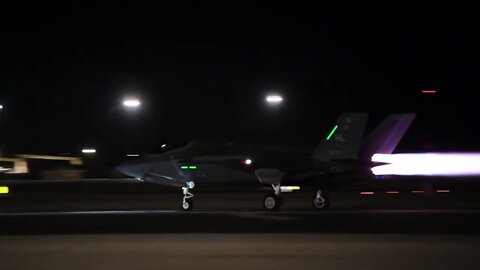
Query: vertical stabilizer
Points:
[344, 139]
[385, 138]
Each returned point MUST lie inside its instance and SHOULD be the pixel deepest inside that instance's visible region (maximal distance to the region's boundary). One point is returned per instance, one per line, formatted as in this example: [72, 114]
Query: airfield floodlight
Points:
[247, 161]
[131, 103]
[89, 151]
[1, 106]
[274, 99]
[164, 145]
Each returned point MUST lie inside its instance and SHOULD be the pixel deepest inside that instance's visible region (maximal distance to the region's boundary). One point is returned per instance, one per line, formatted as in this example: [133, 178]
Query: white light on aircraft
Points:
[1, 107]
[89, 151]
[289, 188]
[163, 145]
[131, 103]
[274, 99]
[247, 161]
[133, 155]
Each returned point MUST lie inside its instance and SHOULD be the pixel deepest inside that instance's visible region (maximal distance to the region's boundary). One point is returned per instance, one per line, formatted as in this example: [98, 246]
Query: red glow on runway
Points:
[367, 193]
[429, 91]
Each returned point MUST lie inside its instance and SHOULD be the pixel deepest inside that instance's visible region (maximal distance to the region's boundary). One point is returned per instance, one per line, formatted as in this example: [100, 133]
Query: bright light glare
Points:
[247, 161]
[4, 190]
[289, 188]
[164, 145]
[133, 155]
[1, 107]
[439, 164]
[131, 103]
[89, 151]
[4, 169]
[429, 91]
[274, 99]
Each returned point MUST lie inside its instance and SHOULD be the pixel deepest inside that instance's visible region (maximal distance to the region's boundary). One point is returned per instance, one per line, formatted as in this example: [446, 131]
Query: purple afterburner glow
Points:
[438, 164]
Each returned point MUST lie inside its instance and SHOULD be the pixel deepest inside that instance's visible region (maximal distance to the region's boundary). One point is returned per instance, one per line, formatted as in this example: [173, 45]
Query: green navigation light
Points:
[331, 132]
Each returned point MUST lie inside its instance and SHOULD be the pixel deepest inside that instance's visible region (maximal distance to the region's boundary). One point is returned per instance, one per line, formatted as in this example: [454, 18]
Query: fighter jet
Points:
[342, 152]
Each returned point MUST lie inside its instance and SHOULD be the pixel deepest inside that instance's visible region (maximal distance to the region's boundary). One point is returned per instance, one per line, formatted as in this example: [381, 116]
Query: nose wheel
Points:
[187, 203]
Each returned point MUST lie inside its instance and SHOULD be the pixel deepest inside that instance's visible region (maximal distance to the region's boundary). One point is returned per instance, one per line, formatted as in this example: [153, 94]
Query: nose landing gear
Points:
[187, 203]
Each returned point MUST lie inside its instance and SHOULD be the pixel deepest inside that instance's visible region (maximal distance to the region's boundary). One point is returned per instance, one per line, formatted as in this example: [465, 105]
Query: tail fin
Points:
[385, 138]
[344, 139]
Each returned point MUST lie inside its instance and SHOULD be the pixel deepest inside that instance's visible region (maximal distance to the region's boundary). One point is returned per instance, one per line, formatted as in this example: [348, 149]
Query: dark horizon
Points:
[202, 71]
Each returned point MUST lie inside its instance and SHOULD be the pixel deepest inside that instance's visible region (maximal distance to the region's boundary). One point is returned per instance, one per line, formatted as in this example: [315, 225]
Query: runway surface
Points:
[239, 251]
[125, 206]
[213, 221]
[123, 224]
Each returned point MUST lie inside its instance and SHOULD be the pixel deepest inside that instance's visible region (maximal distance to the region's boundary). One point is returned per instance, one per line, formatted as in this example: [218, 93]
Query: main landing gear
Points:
[320, 201]
[273, 201]
[187, 203]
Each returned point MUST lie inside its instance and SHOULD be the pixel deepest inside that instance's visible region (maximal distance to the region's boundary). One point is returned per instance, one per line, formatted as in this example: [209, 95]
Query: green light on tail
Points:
[331, 132]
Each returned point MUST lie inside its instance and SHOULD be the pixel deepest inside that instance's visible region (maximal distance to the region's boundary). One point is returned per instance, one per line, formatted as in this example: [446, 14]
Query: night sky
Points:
[202, 69]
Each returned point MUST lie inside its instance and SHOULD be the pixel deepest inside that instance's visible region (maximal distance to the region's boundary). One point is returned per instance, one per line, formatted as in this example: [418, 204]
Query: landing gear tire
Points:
[320, 201]
[187, 204]
[272, 202]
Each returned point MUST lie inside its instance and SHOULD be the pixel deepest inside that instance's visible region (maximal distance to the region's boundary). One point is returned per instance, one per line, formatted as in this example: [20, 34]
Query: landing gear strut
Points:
[320, 201]
[187, 203]
[273, 201]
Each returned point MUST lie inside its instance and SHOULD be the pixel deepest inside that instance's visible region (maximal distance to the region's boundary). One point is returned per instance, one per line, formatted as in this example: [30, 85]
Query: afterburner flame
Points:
[434, 164]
